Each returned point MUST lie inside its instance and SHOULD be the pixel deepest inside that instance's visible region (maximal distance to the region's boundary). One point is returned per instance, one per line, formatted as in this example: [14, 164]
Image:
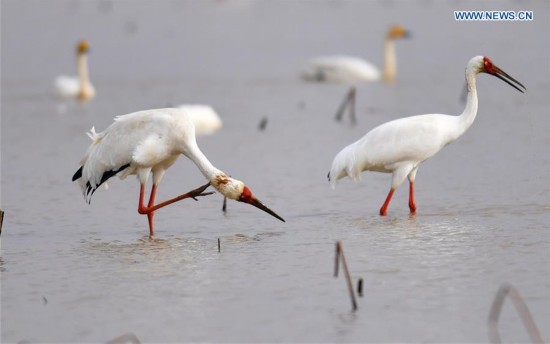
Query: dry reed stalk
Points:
[340, 255]
[507, 289]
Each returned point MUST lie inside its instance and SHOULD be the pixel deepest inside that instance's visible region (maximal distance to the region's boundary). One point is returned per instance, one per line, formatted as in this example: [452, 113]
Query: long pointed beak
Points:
[499, 73]
[256, 202]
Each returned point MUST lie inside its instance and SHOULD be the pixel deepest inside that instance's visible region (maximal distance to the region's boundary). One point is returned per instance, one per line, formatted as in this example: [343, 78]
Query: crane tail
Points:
[94, 136]
[89, 189]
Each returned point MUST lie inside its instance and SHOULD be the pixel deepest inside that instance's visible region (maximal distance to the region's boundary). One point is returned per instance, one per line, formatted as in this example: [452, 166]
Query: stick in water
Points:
[337, 259]
[349, 100]
[360, 287]
[340, 255]
[1, 220]
[508, 290]
[263, 124]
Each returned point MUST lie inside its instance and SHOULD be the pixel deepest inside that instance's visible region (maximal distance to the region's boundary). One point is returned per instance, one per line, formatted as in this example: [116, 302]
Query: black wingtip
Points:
[78, 174]
[89, 191]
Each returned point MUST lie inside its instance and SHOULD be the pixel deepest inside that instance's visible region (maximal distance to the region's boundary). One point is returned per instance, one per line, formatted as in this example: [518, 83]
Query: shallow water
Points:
[73, 272]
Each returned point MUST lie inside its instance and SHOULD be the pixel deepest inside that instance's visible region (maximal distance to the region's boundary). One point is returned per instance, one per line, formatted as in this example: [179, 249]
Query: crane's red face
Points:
[490, 68]
[248, 197]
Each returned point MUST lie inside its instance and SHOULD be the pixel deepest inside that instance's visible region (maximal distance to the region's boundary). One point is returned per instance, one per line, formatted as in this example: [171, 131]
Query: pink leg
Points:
[141, 208]
[412, 204]
[150, 209]
[384, 209]
[146, 210]
[151, 214]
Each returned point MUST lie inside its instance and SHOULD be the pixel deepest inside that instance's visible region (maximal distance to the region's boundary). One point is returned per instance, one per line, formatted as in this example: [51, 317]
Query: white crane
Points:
[350, 69]
[79, 87]
[149, 142]
[400, 146]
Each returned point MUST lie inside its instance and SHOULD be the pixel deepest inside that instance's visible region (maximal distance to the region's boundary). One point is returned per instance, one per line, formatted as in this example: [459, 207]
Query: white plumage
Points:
[142, 139]
[341, 68]
[149, 142]
[67, 86]
[204, 117]
[401, 145]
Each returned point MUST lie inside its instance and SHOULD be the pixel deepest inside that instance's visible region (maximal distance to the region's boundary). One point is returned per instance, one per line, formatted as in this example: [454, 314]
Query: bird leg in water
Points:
[349, 100]
[150, 209]
[412, 204]
[152, 214]
[384, 209]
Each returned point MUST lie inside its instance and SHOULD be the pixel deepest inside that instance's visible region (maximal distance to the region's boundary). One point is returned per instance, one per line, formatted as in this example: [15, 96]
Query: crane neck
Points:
[390, 65]
[193, 152]
[470, 110]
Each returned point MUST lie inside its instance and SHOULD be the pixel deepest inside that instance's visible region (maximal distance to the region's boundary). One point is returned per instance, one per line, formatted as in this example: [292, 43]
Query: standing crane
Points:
[400, 146]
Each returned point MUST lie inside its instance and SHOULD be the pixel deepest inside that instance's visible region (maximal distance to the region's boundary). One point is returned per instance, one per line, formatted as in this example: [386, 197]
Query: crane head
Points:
[490, 68]
[236, 190]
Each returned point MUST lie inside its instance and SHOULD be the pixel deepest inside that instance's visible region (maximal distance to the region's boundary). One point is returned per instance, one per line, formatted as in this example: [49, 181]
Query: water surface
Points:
[73, 272]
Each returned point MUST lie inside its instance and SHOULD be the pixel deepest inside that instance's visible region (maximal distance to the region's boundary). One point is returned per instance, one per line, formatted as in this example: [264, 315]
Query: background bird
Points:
[205, 119]
[400, 146]
[149, 142]
[77, 87]
[351, 69]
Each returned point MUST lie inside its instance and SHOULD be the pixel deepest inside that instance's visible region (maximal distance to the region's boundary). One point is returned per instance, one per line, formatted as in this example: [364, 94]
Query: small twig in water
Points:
[340, 254]
[1, 220]
[360, 287]
[263, 123]
[337, 259]
[349, 100]
[219, 245]
[224, 206]
[507, 289]
[44, 300]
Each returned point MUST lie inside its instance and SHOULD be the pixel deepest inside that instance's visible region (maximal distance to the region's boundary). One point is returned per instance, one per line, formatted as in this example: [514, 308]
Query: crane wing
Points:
[137, 140]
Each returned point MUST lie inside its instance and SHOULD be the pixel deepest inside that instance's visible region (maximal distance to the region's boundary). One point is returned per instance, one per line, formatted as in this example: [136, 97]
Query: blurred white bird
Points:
[77, 87]
[401, 145]
[149, 142]
[349, 69]
[204, 117]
